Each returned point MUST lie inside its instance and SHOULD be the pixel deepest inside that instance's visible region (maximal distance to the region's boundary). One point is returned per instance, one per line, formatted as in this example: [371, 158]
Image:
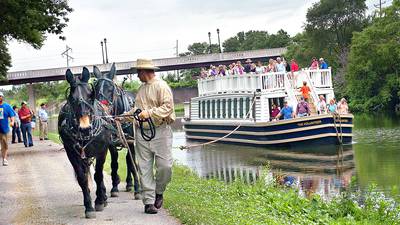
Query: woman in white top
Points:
[260, 69]
[342, 107]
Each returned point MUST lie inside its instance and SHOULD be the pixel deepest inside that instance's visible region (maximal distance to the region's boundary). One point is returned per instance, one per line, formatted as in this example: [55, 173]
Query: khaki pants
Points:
[4, 145]
[154, 155]
[42, 129]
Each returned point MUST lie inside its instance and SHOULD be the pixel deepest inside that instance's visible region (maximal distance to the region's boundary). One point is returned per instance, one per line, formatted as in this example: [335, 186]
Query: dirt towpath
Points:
[39, 187]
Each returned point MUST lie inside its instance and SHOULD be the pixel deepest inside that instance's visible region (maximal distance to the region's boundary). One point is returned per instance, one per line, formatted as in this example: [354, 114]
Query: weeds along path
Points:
[39, 187]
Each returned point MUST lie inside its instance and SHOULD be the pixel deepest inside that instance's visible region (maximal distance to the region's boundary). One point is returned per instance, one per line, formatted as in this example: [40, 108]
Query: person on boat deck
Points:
[271, 66]
[213, 71]
[247, 66]
[342, 107]
[222, 70]
[323, 64]
[305, 91]
[332, 107]
[294, 66]
[314, 64]
[302, 109]
[239, 68]
[280, 66]
[286, 112]
[260, 69]
[321, 105]
[274, 112]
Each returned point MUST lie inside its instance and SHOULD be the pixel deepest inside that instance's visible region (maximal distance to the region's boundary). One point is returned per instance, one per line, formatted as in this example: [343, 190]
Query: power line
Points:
[66, 54]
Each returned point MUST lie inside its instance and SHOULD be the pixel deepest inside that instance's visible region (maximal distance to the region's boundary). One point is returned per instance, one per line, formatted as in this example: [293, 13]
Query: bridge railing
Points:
[268, 82]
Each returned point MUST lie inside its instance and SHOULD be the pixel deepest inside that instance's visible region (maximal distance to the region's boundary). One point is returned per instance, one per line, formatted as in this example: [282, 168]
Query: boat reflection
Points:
[324, 171]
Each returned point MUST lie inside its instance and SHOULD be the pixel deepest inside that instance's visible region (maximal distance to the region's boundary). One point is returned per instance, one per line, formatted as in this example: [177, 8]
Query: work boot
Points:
[159, 201]
[150, 209]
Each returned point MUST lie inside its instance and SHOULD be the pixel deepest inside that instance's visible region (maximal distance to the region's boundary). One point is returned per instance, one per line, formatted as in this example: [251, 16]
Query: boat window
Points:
[199, 109]
[247, 104]
[224, 108]
[204, 110]
[218, 108]
[235, 108]
[213, 109]
[229, 108]
[241, 107]
[208, 108]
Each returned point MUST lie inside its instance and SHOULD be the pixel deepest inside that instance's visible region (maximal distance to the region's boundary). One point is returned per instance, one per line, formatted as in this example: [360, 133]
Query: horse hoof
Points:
[129, 188]
[99, 207]
[114, 194]
[90, 215]
[138, 196]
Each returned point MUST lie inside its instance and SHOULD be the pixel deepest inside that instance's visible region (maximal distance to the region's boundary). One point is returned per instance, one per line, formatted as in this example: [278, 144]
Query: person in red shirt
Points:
[294, 66]
[25, 115]
[274, 112]
[305, 91]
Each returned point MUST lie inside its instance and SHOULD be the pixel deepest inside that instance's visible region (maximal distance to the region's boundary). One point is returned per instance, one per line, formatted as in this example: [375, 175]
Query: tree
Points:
[29, 21]
[253, 40]
[373, 74]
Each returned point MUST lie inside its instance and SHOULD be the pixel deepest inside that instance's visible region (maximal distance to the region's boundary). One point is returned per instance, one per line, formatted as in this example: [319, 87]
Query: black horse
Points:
[85, 136]
[117, 101]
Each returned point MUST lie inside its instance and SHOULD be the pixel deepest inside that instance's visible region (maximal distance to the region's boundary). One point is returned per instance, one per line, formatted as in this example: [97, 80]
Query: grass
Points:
[51, 135]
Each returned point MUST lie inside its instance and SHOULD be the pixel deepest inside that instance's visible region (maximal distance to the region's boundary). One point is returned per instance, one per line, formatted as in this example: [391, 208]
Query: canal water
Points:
[373, 159]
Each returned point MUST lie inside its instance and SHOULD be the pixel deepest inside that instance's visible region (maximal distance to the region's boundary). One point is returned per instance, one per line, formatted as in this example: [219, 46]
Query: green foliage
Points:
[194, 200]
[373, 75]
[132, 86]
[253, 40]
[29, 21]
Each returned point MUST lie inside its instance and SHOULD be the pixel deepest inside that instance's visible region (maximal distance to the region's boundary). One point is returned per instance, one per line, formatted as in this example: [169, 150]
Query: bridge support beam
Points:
[32, 97]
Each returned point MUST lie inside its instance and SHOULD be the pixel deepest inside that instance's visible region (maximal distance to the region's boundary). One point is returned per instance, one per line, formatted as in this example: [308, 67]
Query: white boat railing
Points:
[267, 82]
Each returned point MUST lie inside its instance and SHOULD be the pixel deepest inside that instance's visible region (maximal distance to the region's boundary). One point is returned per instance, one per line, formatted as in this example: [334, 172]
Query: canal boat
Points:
[237, 109]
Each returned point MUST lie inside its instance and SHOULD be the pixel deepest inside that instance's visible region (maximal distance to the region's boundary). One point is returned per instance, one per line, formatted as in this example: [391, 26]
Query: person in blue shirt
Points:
[43, 117]
[287, 112]
[323, 65]
[6, 113]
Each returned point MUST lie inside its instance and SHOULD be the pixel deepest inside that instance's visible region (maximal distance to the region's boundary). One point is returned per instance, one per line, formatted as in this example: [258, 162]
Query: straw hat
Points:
[144, 64]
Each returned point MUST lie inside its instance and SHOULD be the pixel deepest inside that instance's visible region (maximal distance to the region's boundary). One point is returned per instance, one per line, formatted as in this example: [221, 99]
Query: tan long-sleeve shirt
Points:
[155, 96]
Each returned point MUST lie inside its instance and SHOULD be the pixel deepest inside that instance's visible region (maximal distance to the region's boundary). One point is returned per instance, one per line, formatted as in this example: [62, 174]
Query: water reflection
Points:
[325, 171]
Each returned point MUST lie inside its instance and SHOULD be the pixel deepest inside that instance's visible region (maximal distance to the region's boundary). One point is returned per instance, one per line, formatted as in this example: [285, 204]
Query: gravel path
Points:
[39, 187]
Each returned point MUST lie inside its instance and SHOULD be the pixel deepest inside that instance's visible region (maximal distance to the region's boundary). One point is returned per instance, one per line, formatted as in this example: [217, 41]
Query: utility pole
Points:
[209, 41]
[105, 47]
[219, 41]
[102, 51]
[177, 55]
[66, 54]
[380, 6]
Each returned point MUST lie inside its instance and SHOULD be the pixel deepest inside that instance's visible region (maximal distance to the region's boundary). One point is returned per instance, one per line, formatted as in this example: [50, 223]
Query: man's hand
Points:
[144, 115]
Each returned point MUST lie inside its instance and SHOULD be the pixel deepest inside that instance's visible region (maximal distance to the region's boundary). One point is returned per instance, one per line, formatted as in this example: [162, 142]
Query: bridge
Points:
[165, 64]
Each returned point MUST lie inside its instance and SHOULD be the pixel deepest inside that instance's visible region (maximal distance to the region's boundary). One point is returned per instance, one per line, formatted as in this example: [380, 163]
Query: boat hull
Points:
[318, 130]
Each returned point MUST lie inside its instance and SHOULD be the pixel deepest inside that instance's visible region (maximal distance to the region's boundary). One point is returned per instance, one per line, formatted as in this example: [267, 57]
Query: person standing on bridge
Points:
[155, 100]
[25, 115]
[6, 112]
[43, 117]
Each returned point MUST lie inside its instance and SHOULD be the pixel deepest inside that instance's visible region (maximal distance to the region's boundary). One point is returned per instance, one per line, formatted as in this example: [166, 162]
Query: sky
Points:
[149, 29]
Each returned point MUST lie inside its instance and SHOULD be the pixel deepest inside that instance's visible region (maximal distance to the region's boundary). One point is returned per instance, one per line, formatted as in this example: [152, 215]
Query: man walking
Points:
[25, 115]
[16, 131]
[155, 100]
[43, 117]
[6, 113]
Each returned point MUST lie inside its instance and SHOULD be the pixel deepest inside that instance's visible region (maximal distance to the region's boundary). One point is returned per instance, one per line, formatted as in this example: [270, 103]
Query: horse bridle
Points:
[114, 92]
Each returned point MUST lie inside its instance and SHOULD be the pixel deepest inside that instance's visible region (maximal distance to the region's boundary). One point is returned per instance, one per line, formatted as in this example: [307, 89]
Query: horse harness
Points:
[71, 125]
